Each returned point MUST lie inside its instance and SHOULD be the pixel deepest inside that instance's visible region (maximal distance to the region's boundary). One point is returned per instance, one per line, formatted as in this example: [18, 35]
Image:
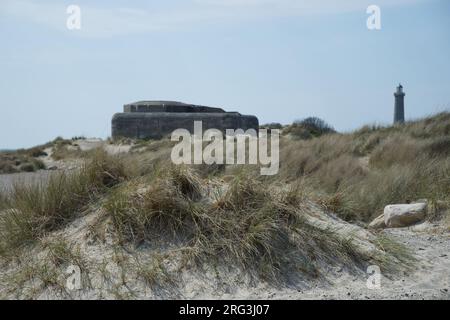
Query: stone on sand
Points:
[403, 215]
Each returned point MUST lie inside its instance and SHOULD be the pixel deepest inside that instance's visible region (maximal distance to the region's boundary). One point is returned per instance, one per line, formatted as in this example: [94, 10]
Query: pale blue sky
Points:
[280, 60]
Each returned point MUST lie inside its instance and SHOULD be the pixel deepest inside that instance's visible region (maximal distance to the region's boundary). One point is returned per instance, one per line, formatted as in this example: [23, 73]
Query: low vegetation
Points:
[272, 125]
[30, 160]
[262, 231]
[308, 128]
[63, 149]
[34, 210]
[21, 161]
[357, 174]
[154, 220]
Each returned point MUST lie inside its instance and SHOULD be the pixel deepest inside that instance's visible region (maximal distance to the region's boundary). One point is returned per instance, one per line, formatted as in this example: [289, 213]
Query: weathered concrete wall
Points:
[170, 108]
[144, 125]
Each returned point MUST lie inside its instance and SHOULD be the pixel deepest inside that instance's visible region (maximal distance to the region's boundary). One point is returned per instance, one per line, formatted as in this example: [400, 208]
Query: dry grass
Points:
[61, 252]
[259, 225]
[447, 220]
[154, 272]
[366, 199]
[396, 150]
[63, 149]
[432, 127]
[325, 161]
[247, 226]
[3, 200]
[23, 160]
[31, 278]
[405, 163]
[45, 270]
[37, 209]
[13, 162]
[404, 256]
[167, 203]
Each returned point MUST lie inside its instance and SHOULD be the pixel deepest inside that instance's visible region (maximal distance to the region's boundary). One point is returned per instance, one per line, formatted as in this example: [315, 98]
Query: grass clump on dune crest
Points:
[166, 204]
[246, 225]
[36, 209]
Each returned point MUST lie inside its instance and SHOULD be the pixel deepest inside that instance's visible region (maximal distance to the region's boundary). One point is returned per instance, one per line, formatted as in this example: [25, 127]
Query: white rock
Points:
[403, 215]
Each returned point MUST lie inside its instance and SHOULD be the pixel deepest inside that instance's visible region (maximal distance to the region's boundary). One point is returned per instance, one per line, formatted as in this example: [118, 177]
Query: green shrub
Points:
[7, 167]
[309, 128]
[27, 167]
[36, 152]
[38, 164]
[272, 125]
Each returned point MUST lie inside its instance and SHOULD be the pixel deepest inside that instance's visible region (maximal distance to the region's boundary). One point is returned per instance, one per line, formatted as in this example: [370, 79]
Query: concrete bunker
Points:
[156, 119]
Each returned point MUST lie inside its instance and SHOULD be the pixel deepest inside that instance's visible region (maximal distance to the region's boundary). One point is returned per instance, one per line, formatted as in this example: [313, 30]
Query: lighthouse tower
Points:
[399, 110]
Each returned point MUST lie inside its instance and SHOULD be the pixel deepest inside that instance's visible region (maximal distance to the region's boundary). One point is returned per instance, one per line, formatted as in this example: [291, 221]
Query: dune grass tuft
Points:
[247, 225]
[36, 209]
